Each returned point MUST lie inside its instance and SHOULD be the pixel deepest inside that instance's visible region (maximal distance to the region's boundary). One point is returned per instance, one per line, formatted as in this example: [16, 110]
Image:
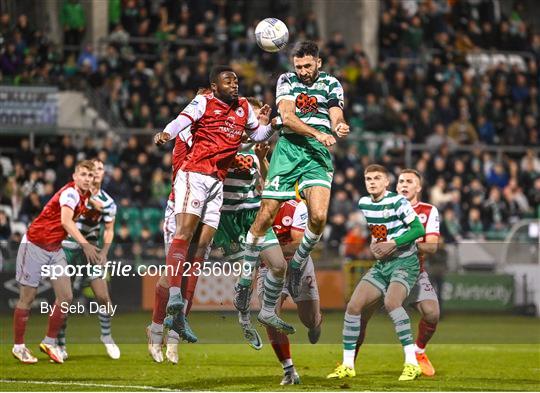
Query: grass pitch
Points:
[469, 352]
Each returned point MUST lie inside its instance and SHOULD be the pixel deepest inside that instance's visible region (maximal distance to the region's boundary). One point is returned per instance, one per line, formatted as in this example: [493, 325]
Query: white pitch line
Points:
[97, 385]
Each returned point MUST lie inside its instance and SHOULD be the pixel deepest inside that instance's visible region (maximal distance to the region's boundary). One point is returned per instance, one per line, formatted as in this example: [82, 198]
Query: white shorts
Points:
[30, 258]
[308, 286]
[198, 194]
[169, 228]
[422, 290]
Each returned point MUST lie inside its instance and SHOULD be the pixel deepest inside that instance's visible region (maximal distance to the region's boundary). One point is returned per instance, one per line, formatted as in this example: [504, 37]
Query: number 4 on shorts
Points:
[274, 183]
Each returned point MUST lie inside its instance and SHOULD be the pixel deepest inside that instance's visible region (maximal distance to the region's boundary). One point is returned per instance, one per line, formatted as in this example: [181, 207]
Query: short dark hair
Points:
[375, 168]
[305, 48]
[414, 172]
[218, 69]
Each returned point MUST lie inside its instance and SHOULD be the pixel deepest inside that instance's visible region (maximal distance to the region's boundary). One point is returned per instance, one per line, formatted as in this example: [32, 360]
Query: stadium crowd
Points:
[423, 88]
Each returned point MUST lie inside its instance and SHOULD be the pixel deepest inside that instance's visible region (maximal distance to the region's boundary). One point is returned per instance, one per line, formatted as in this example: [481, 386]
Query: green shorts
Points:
[404, 271]
[75, 257]
[231, 233]
[295, 161]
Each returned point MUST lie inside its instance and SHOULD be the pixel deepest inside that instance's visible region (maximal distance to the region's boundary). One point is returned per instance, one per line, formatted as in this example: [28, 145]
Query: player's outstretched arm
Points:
[287, 110]
[66, 217]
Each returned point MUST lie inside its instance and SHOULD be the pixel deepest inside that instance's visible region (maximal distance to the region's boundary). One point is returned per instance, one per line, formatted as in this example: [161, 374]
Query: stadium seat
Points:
[132, 217]
[151, 218]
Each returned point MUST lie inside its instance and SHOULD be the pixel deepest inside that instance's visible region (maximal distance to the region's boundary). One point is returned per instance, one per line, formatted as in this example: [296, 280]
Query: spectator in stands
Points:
[474, 228]
[74, 23]
[5, 228]
[495, 214]
[451, 229]
[461, 130]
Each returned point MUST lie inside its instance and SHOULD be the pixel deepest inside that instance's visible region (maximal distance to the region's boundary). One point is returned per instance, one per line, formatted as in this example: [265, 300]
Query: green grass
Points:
[470, 352]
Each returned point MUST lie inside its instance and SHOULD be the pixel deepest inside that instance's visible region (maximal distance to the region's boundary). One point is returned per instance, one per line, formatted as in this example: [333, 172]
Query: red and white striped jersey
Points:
[429, 217]
[46, 231]
[217, 133]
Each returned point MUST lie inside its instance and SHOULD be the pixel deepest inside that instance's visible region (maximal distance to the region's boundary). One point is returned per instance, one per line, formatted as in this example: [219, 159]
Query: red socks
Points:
[20, 318]
[425, 332]
[160, 304]
[176, 258]
[188, 287]
[56, 320]
[280, 343]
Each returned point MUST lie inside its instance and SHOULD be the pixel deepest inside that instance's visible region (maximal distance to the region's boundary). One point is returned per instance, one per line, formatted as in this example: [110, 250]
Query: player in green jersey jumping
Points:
[310, 105]
[394, 228]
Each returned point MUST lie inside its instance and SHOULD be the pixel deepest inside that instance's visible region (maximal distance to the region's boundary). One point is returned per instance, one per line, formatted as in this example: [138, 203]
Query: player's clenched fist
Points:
[342, 129]
[161, 138]
[326, 139]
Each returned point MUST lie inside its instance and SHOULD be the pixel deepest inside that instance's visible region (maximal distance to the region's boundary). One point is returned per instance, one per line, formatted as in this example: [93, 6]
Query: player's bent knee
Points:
[278, 270]
[354, 308]
[430, 312]
[317, 222]
[391, 305]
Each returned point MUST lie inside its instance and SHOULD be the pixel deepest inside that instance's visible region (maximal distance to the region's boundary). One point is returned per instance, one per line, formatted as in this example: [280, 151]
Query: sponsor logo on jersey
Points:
[231, 129]
[242, 163]
[379, 232]
[306, 104]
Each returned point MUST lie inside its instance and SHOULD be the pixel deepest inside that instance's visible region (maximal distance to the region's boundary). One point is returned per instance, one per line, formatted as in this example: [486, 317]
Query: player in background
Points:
[42, 246]
[155, 332]
[218, 121]
[394, 228]
[289, 226]
[310, 104]
[101, 212]
[423, 295]
[242, 190]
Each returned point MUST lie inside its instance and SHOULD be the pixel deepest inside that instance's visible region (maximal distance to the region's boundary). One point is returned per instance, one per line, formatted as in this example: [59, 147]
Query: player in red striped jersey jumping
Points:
[217, 122]
[423, 295]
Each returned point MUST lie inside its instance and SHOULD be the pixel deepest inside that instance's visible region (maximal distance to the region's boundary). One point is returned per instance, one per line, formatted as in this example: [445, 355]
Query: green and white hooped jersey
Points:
[389, 218]
[241, 186]
[89, 223]
[312, 102]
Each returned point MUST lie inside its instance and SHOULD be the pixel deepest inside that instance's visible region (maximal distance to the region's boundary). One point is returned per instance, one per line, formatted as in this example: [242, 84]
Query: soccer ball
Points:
[271, 34]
